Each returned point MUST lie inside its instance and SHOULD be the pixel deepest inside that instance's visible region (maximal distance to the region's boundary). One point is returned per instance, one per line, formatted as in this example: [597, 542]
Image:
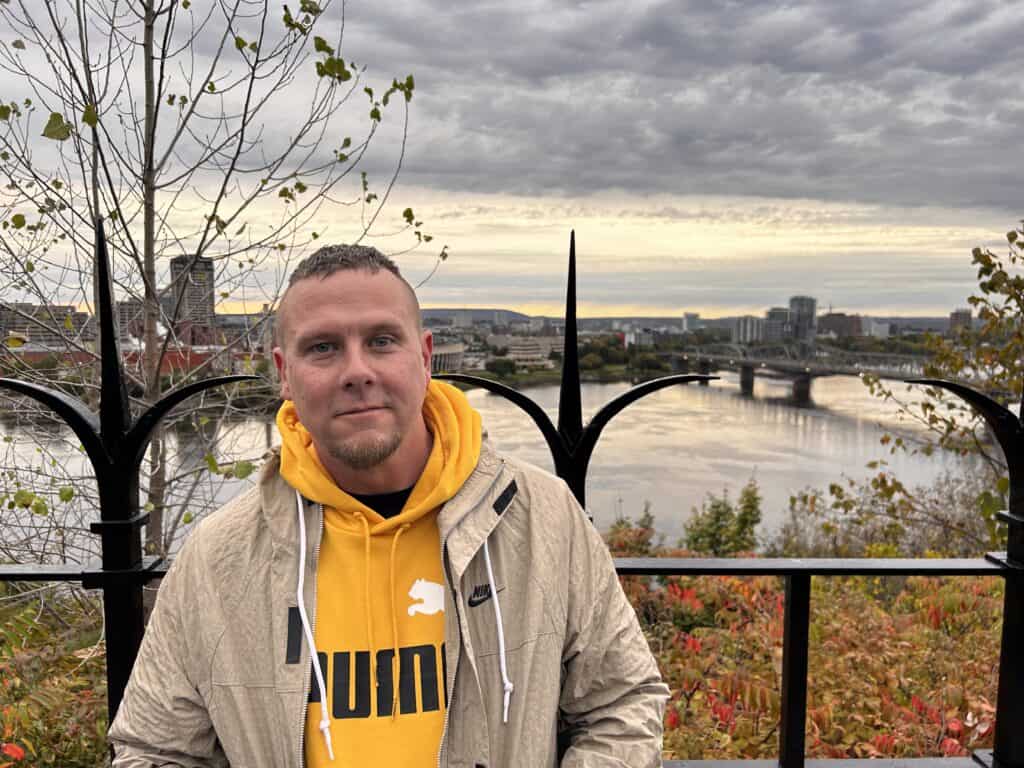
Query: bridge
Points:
[786, 361]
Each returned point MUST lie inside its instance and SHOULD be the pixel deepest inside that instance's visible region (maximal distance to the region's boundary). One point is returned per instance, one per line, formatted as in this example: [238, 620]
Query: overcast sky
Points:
[712, 156]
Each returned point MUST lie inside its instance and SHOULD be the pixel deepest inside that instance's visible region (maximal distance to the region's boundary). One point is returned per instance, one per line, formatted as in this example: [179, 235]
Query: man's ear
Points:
[282, 373]
[427, 348]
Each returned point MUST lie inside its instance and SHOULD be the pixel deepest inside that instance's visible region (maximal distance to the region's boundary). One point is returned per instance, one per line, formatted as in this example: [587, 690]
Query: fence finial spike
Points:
[570, 411]
[115, 413]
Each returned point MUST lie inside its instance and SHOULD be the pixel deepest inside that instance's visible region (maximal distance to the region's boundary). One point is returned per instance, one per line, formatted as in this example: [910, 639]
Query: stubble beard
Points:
[366, 452]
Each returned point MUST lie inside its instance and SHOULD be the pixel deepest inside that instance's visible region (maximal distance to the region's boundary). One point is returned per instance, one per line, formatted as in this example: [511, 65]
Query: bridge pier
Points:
[747, 379]
[682, 365]
[704, 367]
[802, 389]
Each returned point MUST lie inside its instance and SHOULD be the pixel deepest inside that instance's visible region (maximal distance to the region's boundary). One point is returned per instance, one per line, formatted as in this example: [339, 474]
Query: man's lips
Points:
[361, 410]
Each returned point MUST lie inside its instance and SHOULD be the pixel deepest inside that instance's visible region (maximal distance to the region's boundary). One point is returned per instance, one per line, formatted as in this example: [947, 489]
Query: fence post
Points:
[115, 447]
[796, 631]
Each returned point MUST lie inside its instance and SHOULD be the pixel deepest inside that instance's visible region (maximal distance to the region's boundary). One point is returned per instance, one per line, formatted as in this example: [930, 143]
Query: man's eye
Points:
[321, 347]
[381, 341]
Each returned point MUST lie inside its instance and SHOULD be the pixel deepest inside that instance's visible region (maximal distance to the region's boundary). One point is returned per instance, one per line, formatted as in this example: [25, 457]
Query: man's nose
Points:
[358, 370]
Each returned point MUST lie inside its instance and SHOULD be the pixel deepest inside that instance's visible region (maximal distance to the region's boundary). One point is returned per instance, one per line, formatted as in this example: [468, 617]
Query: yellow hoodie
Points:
[379, 628]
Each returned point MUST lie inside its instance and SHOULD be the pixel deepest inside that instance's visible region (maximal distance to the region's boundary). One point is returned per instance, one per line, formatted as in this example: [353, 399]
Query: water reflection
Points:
[674, 447]
[671, 448]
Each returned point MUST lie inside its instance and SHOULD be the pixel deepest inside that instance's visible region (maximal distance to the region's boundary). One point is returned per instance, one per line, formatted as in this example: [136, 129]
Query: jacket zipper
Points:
[458, 621]
[312, 629]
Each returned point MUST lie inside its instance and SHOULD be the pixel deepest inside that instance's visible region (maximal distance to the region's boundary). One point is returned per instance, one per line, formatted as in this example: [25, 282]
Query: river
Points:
[671, 449]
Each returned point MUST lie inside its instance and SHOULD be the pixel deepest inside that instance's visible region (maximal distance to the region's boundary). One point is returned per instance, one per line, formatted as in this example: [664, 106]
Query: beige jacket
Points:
[222, 679]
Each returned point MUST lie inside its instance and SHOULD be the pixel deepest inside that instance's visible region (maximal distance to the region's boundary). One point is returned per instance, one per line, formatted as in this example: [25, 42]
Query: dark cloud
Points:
[909, 102]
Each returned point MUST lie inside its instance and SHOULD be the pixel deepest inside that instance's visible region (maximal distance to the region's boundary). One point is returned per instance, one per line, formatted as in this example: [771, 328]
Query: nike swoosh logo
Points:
[474, 601]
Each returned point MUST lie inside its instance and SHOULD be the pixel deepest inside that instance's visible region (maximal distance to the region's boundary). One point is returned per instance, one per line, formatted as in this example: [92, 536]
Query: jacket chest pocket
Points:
[514, 611]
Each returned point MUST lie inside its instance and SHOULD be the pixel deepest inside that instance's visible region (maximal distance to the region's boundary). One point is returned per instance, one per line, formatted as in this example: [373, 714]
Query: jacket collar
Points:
[469, 516]
[464, 521]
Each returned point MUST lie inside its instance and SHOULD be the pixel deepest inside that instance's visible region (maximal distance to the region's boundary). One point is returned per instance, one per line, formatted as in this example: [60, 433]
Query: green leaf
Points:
[5, 112]
[321, 46]
[186, 4]
[66, 493]
[19, 44]
[89, 116]
[23, 498]
[211, 87]
[211, 464]
[243, 469]
[408, 215]
[29, 266]
[1012, 236]
[240, 43]
[18, 220]
[57, 128]
[375, 114]
[187, 518]
[39, 507]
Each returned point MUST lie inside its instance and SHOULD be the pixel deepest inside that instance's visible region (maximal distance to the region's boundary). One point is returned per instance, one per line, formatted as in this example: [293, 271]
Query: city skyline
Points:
[710, 157]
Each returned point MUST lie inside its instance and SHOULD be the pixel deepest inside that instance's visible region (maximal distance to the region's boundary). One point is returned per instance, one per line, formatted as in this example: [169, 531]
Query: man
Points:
[463, 610]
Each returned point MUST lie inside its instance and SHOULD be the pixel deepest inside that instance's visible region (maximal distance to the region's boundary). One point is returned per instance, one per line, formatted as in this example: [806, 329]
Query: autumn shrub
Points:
[898, 667]
[53, 703]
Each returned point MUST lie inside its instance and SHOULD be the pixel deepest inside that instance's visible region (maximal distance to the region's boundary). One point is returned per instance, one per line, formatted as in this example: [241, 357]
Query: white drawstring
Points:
[325, 722]
[506, 683]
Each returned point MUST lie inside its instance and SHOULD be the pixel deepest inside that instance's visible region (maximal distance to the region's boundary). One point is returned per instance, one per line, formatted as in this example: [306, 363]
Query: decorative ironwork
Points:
[1008, 748]
[572, 443]
[115, 447]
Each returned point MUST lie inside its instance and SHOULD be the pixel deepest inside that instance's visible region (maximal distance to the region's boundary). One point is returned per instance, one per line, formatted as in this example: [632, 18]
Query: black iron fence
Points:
[115, 447]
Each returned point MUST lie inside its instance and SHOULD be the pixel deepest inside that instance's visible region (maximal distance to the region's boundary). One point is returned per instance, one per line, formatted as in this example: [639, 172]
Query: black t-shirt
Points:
[384, 504]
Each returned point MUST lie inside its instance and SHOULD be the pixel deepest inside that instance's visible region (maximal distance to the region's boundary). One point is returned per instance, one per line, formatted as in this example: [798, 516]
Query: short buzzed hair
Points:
[340, 258]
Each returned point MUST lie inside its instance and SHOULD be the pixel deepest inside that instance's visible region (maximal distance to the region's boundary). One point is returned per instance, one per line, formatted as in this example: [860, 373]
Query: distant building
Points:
[960, 318]
[192, 286]
[879, 329]
[544, 343]
[840, 325]
[804, 318]
[639, 339]
[528, 352]
[691, 322]
[131, 318]
[45, 326]
[777, 326]
[748, 330]
[248, 332]
[447, 358]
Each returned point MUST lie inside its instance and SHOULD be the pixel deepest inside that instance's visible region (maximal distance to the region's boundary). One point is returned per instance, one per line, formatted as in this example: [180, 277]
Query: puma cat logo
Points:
[429, 598]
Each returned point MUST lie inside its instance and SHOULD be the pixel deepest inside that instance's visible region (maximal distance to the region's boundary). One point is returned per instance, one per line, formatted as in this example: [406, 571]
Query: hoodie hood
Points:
[456, 429]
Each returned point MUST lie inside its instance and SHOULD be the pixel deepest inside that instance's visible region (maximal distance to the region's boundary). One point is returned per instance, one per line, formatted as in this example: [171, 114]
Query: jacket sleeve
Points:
[613, 699]
[163, 718]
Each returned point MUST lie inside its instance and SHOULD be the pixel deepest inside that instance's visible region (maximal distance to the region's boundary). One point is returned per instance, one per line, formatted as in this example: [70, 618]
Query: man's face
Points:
[356, 364]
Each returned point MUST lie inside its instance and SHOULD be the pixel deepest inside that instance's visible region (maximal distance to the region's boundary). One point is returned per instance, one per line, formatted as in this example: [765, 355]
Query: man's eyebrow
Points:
[385, 326]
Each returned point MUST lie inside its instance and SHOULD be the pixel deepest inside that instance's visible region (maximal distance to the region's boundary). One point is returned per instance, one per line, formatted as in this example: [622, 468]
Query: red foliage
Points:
[12, 751]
